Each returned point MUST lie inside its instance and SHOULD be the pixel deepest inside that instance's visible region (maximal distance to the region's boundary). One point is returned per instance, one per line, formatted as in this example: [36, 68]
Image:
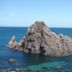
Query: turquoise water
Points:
[31, 62]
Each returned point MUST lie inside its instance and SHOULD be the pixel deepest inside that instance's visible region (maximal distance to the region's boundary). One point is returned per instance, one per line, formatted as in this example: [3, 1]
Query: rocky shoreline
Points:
[40, 39]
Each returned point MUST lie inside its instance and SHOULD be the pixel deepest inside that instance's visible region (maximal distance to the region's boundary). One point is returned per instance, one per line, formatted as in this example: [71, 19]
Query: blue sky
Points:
[20, 13]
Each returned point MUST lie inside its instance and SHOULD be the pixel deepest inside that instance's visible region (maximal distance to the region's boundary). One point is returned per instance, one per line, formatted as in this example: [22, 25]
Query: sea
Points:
[32, 62]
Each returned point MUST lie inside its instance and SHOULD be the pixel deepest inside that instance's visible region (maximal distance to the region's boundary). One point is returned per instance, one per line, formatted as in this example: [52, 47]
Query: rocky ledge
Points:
[39, 39]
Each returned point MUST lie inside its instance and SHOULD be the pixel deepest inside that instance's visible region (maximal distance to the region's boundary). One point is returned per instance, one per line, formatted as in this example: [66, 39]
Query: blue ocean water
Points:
[34, 62]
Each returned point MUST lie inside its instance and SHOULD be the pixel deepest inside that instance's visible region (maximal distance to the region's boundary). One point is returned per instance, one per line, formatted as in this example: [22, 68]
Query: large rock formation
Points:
[41, 40]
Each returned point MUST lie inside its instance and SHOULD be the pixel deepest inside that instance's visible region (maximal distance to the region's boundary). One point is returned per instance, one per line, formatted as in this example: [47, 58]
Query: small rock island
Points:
[39, 39]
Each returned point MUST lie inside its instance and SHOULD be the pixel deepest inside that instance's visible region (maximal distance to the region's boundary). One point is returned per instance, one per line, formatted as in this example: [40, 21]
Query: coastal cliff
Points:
[41, 40]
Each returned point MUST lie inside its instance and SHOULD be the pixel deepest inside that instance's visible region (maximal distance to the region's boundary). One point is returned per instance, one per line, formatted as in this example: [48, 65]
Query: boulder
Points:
[41, 40]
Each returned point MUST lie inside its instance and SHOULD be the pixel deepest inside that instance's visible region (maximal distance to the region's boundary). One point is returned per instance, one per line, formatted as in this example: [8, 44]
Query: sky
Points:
[23, 13]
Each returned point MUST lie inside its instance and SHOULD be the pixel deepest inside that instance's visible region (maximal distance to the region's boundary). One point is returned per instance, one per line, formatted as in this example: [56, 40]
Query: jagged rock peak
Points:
[38, 25]
[12, 43]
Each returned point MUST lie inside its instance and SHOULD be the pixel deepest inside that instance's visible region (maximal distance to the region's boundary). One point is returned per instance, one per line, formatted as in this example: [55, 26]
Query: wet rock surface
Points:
[41, 40]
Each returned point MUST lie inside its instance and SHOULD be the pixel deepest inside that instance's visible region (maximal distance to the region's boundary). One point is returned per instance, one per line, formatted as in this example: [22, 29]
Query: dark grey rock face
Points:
[41, 40]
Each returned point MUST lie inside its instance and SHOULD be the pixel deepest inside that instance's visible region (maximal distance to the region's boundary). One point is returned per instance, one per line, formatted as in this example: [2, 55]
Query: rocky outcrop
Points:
[12, 43]
[41, 40]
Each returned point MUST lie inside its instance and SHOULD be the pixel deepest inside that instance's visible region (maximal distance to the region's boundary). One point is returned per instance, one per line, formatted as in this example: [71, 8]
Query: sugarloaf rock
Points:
[40, 39]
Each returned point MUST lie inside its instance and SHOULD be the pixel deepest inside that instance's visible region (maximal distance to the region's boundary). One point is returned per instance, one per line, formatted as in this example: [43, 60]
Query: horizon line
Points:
[28, 26]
